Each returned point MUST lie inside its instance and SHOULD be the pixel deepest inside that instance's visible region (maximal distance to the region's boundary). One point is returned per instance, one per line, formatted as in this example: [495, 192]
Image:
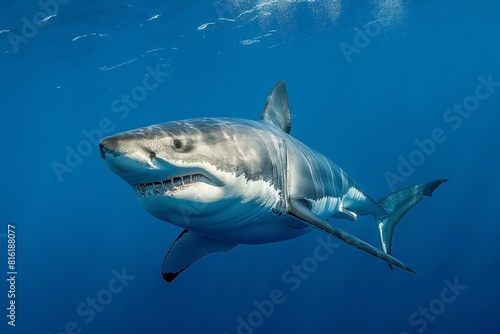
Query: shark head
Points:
[197, 169]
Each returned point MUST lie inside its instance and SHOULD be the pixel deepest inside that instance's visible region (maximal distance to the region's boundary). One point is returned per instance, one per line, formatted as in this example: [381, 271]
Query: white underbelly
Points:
[247, 224]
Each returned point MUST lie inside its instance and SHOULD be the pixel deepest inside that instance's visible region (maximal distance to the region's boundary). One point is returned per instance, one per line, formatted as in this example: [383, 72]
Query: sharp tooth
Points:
[177, 181]
[159, 189]
[140, 190]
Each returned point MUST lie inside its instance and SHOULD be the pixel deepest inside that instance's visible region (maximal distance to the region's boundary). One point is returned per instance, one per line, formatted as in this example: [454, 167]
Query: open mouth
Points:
[168, 186]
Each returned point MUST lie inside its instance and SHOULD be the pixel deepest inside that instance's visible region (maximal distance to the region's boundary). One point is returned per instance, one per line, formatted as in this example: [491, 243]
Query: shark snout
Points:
[130, 158]
[108, 146]
[120, 146]
[103, 150]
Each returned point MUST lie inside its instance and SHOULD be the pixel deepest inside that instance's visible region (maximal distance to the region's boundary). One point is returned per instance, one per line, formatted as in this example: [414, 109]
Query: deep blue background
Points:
[362, 114]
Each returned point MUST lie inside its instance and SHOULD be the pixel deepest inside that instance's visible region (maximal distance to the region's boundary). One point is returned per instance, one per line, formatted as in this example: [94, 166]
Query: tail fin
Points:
[397, 204]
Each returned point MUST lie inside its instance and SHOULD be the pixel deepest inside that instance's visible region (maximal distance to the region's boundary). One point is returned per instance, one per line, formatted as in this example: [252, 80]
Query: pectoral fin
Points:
[188, 248]
[299, 210]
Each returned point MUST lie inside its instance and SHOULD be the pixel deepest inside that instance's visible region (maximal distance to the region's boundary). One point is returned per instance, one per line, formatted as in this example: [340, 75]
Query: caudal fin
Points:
[397, 204]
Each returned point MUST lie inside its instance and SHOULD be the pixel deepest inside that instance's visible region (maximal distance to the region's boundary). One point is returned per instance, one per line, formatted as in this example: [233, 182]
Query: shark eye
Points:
[177, 143]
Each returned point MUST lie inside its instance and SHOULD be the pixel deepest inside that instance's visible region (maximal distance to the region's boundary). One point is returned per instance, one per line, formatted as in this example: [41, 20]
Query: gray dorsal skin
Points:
[229, 181]
[276, 110]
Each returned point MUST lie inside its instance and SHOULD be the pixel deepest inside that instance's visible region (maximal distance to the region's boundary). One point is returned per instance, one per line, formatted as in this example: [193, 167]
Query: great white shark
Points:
[230, 181]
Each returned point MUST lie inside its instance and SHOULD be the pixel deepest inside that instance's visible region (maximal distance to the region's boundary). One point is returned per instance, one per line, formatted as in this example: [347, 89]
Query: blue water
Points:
[367, 81]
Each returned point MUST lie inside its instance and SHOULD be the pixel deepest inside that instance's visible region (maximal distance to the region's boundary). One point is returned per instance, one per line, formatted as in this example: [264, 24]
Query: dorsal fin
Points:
[276, 110]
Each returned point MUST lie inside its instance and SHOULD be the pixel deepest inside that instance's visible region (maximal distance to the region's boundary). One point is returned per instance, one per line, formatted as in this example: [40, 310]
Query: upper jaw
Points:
[169, 186]
[166, 172]
[159, 175]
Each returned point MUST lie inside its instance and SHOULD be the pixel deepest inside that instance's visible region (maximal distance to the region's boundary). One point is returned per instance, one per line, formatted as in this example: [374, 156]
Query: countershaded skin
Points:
[229, 181]
[253, 150]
